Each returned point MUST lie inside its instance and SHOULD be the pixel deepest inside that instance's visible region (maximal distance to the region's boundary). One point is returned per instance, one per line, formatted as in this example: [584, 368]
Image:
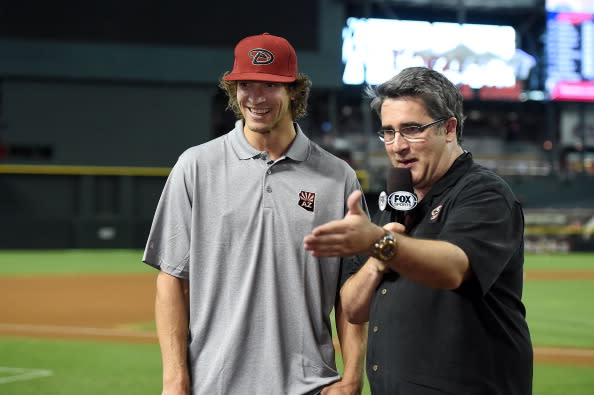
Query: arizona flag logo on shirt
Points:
[307, 200]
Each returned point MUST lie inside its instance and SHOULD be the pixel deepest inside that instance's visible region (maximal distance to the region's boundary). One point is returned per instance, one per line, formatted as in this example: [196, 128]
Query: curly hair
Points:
[300, 88]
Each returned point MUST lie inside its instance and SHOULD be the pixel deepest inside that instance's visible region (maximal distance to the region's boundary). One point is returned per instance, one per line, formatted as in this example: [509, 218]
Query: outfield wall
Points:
[112, 207]
[77, 206]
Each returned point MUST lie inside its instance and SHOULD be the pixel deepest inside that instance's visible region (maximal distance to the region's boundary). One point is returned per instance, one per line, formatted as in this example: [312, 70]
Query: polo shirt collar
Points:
[244, 150]
[460, 167]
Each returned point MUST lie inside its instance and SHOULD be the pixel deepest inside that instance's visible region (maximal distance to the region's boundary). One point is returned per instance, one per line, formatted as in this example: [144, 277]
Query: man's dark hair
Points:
[441, 97]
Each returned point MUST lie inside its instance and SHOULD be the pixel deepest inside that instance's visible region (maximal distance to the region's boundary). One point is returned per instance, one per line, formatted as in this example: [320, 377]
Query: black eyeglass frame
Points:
[421, 129]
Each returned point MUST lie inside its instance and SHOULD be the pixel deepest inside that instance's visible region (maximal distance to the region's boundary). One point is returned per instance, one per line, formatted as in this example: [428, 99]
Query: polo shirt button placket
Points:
[268, 171]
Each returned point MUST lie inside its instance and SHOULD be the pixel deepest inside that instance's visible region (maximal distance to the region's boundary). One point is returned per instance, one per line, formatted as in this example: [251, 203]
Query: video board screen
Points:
[475, 57]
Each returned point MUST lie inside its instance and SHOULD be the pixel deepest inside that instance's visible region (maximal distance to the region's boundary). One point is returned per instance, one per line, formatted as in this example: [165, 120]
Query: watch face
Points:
[385, 248]
[388, 250]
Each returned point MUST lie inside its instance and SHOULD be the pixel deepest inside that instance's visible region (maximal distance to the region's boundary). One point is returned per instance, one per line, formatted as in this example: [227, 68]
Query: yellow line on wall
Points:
[84, 170]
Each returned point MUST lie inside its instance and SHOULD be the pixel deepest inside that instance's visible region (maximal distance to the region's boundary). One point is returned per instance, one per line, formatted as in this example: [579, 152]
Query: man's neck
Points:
[449, 162]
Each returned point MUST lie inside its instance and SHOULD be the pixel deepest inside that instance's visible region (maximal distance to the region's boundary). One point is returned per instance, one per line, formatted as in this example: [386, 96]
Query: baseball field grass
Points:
[558, 294]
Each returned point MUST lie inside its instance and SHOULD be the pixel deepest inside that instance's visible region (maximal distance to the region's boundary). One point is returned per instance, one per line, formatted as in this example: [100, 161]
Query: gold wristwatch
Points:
[385, 248]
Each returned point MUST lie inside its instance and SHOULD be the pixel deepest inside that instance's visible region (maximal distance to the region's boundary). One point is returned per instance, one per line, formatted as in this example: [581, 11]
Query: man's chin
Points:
[259, 130]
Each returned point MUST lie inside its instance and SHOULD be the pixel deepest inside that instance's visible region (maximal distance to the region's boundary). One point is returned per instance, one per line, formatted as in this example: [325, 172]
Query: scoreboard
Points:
[570, 50]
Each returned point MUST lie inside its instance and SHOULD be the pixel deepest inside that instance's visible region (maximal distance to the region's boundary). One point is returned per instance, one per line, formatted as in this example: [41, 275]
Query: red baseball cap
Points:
[264, 58]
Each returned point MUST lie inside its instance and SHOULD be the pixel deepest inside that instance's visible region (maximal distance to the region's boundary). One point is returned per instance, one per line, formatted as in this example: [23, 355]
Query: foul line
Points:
[18, 374]
[75, 330]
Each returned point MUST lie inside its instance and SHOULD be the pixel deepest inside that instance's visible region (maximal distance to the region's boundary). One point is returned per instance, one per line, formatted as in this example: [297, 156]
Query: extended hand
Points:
[354, 234]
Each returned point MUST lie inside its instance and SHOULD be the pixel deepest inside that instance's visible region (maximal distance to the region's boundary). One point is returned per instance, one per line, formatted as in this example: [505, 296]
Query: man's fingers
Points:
[322, 240]
[325, 245]
[395, 227]
[330, 228]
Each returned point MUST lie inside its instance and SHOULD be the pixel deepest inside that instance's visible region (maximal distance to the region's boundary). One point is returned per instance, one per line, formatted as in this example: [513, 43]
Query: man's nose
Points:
[255, 96]
[399, 143]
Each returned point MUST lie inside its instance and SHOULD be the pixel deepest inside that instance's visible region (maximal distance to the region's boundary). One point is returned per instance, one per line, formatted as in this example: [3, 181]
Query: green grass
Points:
[563, 380]
[559, 313]
[573, 261]
[78, 367]
[118, 261]
[28, 262]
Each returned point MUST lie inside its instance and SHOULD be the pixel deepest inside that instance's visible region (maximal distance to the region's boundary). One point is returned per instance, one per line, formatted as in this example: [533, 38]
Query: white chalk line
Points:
[22, 374]
[76, 330]
[12, 374]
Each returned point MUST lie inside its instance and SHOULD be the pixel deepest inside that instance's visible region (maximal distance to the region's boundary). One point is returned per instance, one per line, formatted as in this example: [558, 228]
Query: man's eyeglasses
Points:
[409, 133]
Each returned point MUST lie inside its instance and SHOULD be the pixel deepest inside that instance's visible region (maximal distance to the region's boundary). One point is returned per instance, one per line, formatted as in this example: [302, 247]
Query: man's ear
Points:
[450, 125]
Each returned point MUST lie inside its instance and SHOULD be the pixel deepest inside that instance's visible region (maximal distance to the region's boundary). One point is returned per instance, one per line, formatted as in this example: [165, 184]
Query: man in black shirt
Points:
[441, 291]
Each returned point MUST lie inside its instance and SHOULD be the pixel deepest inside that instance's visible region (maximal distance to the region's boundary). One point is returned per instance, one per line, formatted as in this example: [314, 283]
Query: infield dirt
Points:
[120, 307]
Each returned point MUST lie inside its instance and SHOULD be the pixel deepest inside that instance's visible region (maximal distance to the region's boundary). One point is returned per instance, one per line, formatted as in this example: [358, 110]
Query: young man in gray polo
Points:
[241, 308]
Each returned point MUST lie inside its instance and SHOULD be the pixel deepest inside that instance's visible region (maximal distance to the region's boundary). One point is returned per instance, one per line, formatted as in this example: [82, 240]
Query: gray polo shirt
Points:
[233, 222]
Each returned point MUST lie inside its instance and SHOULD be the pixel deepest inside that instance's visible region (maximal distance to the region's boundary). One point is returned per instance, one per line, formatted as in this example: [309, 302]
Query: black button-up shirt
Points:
[473, 340]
